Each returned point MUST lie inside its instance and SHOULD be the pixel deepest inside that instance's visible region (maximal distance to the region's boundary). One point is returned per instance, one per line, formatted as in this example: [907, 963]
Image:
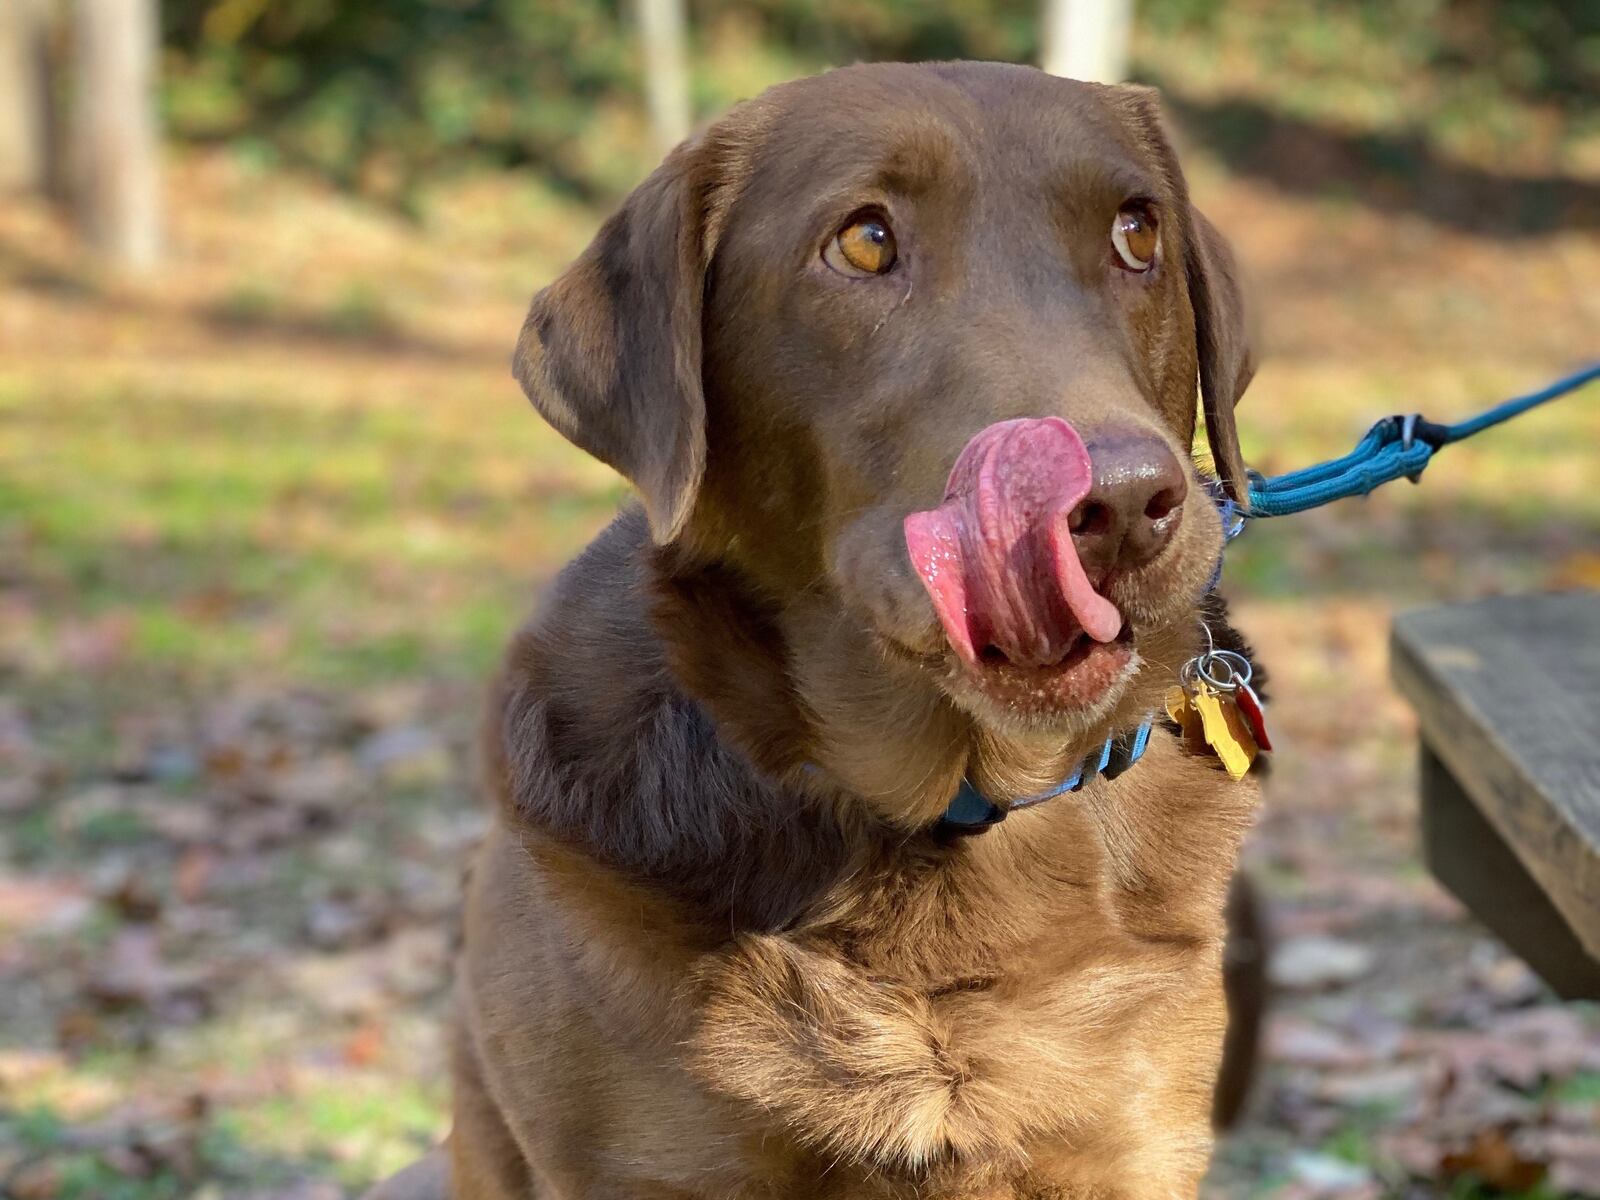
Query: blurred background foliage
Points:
[378, 96]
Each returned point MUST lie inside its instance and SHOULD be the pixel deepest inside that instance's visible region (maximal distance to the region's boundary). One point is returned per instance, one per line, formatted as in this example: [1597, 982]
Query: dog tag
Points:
[1179, 708]
[1251, 709]
[1226, 730]
[1182, 710]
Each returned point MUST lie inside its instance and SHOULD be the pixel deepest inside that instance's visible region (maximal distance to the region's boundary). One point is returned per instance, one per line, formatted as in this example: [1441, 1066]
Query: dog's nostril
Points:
[1089, 517]
[1162, 504]
[1140, 489]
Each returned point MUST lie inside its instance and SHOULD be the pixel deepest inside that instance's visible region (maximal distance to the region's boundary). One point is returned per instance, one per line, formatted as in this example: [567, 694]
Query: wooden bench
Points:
[1507, 692]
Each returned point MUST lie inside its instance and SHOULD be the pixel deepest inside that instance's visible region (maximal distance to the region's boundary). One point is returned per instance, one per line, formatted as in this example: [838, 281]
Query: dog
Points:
[902, 361]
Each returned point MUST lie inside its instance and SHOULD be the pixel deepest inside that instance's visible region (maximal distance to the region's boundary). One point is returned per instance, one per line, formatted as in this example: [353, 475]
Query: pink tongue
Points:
[997, 557]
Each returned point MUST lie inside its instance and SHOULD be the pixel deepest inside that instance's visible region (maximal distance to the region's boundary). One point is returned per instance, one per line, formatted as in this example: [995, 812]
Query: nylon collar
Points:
[970, 811]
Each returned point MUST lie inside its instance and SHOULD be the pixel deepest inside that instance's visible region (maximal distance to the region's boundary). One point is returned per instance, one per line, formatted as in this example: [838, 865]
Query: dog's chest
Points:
[940, 1034]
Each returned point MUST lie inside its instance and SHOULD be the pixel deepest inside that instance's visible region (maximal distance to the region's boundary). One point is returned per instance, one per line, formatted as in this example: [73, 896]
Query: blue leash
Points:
[1395, 447]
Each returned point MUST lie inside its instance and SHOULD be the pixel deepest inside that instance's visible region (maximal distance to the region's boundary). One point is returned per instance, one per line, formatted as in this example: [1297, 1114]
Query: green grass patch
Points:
[1582, 1088]
[364, 1130]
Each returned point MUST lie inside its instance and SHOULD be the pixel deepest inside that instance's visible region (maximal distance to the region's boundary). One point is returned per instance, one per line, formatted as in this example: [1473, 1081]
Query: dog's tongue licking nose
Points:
[997, 556]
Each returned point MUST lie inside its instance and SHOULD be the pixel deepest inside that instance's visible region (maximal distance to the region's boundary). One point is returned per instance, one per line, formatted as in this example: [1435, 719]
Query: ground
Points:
[266, 521]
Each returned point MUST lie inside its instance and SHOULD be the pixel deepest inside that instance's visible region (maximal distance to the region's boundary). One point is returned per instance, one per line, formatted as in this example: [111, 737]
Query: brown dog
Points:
[902, 361]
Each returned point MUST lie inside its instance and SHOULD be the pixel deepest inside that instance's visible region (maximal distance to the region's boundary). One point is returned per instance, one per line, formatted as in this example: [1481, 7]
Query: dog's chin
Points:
[1069, 697]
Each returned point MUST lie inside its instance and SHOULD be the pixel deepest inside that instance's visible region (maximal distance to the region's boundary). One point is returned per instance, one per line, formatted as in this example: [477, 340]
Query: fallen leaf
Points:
[1303, 1042]
[1578, 570]
[1574, 1160]
[1326, 1175]
[407, 755]
[42, 904]
[134, 974]
[1315, 963]
[364, 1046]
[193, 873]
[1494, 1158]
[39, 1180]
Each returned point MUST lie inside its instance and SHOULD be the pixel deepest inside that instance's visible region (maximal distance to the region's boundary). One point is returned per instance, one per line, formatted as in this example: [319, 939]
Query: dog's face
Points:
[923, 340]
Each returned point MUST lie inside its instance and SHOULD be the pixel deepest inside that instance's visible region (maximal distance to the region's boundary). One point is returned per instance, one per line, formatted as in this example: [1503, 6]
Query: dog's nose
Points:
[1134, 506]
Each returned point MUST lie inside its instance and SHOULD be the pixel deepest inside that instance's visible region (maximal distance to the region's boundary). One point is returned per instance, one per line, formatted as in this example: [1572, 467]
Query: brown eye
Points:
[1133, 236]
[863, 247]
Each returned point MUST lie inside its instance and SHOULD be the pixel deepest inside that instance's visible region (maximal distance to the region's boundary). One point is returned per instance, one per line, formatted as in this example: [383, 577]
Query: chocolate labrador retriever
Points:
[902, 361]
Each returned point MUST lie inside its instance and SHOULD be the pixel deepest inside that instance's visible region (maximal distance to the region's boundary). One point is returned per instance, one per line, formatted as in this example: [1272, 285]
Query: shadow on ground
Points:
[1390, 172]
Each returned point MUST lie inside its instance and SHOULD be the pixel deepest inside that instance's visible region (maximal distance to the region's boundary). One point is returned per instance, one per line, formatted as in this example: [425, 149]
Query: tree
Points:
[24, 95]
[666, 75]
[116, 144]
[1087, 39]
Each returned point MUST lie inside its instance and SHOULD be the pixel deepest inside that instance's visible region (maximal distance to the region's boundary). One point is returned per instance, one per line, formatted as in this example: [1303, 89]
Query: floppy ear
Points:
[1221, 331]
[610, 352]
[1222, 339]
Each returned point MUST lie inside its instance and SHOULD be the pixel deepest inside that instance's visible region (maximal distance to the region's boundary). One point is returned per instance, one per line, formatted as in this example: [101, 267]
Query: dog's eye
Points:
[1134, 237]
[863, 247]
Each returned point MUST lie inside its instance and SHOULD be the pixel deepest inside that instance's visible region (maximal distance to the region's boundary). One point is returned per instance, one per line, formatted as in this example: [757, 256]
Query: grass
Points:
[1582, 1088]
[218, 530]
[351, 1131]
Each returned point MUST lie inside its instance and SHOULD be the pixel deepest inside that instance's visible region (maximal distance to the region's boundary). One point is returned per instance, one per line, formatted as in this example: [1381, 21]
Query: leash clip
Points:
[1233, 516]
[1408, 433]
[1414, 428]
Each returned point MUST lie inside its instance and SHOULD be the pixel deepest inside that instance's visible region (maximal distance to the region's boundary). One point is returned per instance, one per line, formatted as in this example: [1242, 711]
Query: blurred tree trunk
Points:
[116, 144]
[24, 95]
[666, 72]
[1087, 39]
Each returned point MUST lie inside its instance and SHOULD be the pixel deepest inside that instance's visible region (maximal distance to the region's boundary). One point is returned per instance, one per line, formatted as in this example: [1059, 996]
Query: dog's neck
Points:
[674, 746]
[802, 687]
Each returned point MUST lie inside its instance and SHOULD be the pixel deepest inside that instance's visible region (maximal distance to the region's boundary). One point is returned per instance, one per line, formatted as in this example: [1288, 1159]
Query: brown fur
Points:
[712, 948]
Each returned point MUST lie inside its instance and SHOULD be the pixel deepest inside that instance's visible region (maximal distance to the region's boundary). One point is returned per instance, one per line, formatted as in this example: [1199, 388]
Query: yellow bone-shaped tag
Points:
[1226, 730]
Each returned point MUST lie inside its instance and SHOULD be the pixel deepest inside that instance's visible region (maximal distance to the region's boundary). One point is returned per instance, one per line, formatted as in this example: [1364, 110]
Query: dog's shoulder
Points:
[592, 740]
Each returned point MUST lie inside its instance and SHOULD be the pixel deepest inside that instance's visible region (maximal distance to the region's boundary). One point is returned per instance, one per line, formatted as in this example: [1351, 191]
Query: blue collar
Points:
[970, 811]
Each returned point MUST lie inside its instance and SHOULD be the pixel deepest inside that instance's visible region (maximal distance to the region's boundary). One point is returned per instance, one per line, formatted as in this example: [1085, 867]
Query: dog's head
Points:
[918, 347]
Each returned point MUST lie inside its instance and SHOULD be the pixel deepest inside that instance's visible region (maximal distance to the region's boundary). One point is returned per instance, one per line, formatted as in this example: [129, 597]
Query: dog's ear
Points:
[1223, 341]
[1222, 334]
[610, 352]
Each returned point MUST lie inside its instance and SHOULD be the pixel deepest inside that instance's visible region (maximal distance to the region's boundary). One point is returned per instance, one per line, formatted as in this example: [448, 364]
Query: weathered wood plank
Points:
[1468, 856]
[1507, 691]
